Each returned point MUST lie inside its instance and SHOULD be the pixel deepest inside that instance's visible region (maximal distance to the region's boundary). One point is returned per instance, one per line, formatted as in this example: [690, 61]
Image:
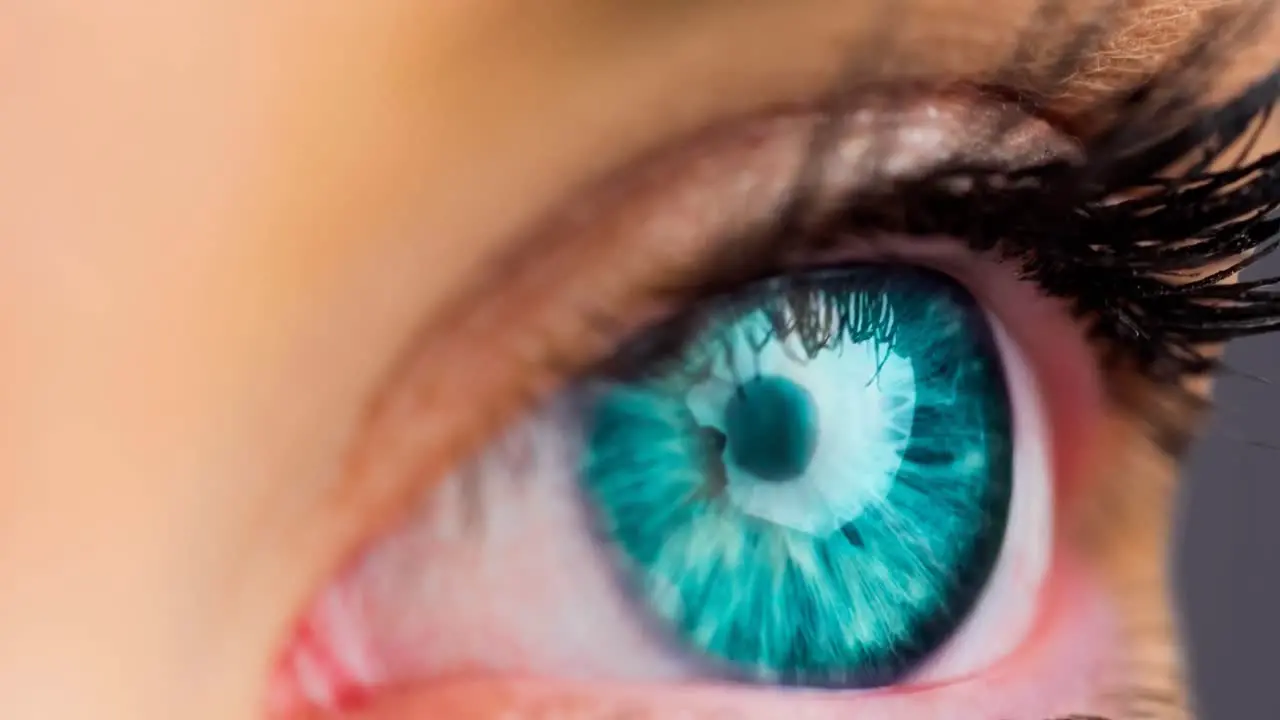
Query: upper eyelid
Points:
[889, 136]
[1004, 138]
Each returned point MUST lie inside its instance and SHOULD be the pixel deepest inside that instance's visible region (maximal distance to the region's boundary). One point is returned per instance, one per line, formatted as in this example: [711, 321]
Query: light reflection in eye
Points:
[508, 570]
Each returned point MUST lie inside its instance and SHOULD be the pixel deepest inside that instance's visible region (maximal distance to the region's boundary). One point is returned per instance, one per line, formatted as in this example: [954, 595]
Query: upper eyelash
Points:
[1113, 233]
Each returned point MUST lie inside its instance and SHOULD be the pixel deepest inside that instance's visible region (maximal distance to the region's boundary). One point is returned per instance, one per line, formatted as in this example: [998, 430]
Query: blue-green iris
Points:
[814, 490]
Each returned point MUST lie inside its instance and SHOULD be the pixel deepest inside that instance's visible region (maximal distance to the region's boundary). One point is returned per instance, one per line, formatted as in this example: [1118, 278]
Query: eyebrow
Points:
[1062, 48]
[1114, 46]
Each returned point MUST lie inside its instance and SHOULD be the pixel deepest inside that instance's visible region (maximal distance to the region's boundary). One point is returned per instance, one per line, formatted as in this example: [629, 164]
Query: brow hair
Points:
[1074, 49]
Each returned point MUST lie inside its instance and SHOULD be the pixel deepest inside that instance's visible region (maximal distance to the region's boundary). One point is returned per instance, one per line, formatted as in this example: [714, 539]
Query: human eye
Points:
[855, 468]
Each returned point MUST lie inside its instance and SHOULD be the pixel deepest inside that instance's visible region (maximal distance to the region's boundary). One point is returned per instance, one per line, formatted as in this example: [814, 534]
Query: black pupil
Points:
[770, 429]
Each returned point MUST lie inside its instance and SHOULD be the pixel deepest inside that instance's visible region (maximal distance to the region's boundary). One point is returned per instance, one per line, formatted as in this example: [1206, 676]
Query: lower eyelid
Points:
[1055, 674]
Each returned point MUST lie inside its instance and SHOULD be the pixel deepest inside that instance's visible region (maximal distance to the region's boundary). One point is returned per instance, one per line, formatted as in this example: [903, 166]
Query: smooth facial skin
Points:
[238, 236]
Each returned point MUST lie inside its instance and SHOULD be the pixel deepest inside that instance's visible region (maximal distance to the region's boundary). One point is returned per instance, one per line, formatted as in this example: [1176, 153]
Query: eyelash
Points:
[1141, 250]
[1111, 234]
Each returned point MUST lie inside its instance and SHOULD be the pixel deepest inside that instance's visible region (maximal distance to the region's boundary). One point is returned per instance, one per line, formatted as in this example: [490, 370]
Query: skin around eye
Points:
[500, 587]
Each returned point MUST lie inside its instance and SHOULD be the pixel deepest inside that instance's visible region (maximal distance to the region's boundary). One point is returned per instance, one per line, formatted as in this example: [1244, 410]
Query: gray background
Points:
[1227, 558]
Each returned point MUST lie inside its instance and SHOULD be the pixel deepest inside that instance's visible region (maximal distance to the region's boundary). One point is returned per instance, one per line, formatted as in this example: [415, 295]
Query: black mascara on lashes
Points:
[1112, 234]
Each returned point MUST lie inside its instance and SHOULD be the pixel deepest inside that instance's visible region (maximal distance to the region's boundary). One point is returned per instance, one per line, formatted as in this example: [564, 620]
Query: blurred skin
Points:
[229, 226]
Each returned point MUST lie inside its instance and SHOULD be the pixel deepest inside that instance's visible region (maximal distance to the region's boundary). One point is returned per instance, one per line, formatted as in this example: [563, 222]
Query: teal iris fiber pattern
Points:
[814, 490]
